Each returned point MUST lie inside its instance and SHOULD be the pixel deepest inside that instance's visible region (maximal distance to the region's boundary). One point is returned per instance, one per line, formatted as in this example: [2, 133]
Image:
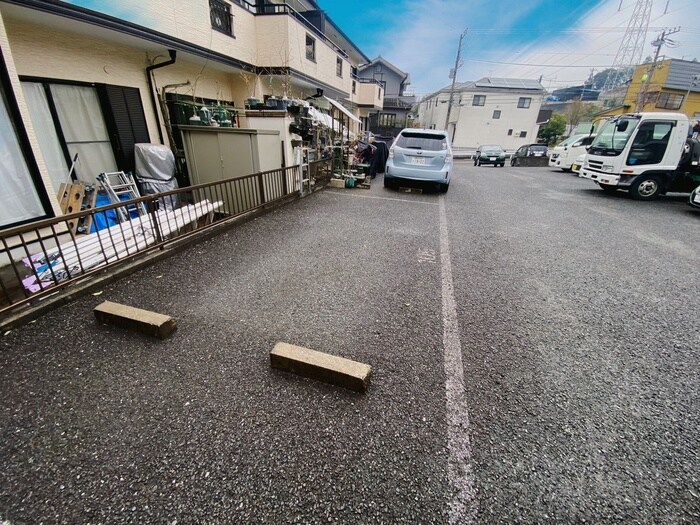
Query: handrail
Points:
[44, 256]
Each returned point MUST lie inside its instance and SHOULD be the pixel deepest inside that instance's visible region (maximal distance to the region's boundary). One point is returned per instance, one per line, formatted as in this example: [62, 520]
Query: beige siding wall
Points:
[281, 41]
[369, 94]
[10, 62]
[190, 21]
[52, 54]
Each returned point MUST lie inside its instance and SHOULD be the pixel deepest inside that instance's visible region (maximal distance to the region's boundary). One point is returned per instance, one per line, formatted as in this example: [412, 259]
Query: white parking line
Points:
[462, 506]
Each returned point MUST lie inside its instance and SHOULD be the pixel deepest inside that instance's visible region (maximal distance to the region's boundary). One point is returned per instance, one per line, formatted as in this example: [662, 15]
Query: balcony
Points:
[368, 93]
[402, 102]
[285, 39]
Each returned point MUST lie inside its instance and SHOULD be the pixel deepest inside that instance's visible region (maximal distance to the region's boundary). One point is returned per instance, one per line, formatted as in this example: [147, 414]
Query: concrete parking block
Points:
[135, 319]
[320, 366]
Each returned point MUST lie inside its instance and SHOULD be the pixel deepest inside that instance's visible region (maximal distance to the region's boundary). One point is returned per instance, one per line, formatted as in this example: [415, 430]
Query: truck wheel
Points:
[645, 188]
[607, 188]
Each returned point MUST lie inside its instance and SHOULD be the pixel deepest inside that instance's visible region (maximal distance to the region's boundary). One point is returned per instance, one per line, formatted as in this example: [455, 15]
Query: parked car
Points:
[578, 163]
[695, 198]
[528, 150]
[563, 155]
[490, 155]
[420, 155]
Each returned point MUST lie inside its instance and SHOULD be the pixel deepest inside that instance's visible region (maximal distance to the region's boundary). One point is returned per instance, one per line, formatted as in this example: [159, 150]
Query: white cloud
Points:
[424, 42]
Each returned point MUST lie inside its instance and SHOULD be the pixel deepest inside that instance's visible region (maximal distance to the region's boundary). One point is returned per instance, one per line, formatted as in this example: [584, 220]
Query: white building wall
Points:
[476, 125]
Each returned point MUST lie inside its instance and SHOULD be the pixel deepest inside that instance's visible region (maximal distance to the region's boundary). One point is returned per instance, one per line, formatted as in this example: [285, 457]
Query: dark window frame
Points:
[221, 17]
[666, 100]
[387, 120]
[524, 102]
[479, 100]
[339, 67]
[25, 146]
[310, 48]
[122, 156]
[496, 114]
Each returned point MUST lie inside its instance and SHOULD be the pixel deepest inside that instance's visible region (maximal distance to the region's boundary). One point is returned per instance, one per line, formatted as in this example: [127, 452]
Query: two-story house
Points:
[390, 119]
[670, 85]
[93, 82]
[500, 111]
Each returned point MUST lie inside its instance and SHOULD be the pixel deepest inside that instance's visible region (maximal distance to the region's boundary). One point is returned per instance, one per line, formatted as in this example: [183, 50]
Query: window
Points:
[310, 48]
[479, 100]
[669, 101]
[387, 120]
[510, 132]
[354, 87]
[496, 114]
[379, 94]
[523, 134]
[20, 198]
[220, 14]
[339, 66]
[421, 141]
[524, 102]
[650, 143]
[100, 123]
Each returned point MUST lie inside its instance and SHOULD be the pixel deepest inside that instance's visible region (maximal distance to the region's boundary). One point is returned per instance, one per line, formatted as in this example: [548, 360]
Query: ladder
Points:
[119, 187]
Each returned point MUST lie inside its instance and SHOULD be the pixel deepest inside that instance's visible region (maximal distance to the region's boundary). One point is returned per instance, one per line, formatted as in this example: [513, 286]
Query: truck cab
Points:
[647, 154]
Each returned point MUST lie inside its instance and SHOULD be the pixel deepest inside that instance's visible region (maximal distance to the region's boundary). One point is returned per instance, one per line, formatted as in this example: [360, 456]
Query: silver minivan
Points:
[420, 155]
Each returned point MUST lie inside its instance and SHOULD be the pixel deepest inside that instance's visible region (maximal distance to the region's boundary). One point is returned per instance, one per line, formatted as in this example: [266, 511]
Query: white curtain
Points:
[45, 132]
[19, 200]
[84, 130]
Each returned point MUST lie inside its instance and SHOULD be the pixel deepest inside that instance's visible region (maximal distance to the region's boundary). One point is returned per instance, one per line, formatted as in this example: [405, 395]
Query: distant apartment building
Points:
[395, 114]
[500, 111]
[94, 82]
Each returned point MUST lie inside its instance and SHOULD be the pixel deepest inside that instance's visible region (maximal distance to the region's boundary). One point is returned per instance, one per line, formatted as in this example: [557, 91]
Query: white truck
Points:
[566, 153]
[647, 154]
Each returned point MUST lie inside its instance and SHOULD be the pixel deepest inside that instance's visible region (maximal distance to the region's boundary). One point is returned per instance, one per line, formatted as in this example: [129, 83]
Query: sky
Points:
[561, 41]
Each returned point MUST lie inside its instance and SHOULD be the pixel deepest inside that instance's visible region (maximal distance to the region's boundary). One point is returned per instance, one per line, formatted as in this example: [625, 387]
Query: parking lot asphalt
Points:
[575, 323]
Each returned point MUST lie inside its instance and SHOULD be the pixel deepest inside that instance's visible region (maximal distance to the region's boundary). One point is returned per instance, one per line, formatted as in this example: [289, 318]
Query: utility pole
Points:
[453, 74]
[646, 78]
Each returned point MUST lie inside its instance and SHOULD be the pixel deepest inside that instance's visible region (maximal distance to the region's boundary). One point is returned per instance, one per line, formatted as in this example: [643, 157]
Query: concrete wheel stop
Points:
[320, 366]
[135, 319]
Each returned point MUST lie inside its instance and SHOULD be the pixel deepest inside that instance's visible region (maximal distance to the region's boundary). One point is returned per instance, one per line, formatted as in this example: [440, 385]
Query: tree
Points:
[575, 113]
[553, 129]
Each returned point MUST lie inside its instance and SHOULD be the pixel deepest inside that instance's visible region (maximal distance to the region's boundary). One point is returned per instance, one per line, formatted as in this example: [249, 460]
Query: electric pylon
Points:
[632, 46]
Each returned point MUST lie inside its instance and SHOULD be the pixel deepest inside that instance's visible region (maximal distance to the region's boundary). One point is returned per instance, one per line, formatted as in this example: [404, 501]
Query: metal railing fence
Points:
[41, 258]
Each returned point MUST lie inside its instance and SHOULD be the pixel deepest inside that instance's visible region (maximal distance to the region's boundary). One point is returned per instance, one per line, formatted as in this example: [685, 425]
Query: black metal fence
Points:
[41, 258]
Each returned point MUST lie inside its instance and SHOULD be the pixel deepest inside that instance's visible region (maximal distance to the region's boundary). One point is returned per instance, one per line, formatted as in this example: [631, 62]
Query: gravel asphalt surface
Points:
[578, 325]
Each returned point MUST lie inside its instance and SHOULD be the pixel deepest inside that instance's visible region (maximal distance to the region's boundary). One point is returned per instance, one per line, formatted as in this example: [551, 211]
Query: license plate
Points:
[492, 158]
[575, 167]
[417, 160]
[697, 198]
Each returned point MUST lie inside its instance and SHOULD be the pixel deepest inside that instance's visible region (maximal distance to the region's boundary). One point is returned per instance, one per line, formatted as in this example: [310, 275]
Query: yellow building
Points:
[673, 85]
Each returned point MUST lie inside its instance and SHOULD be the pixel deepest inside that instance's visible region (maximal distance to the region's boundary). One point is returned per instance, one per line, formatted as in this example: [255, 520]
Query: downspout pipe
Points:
[149, 76]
